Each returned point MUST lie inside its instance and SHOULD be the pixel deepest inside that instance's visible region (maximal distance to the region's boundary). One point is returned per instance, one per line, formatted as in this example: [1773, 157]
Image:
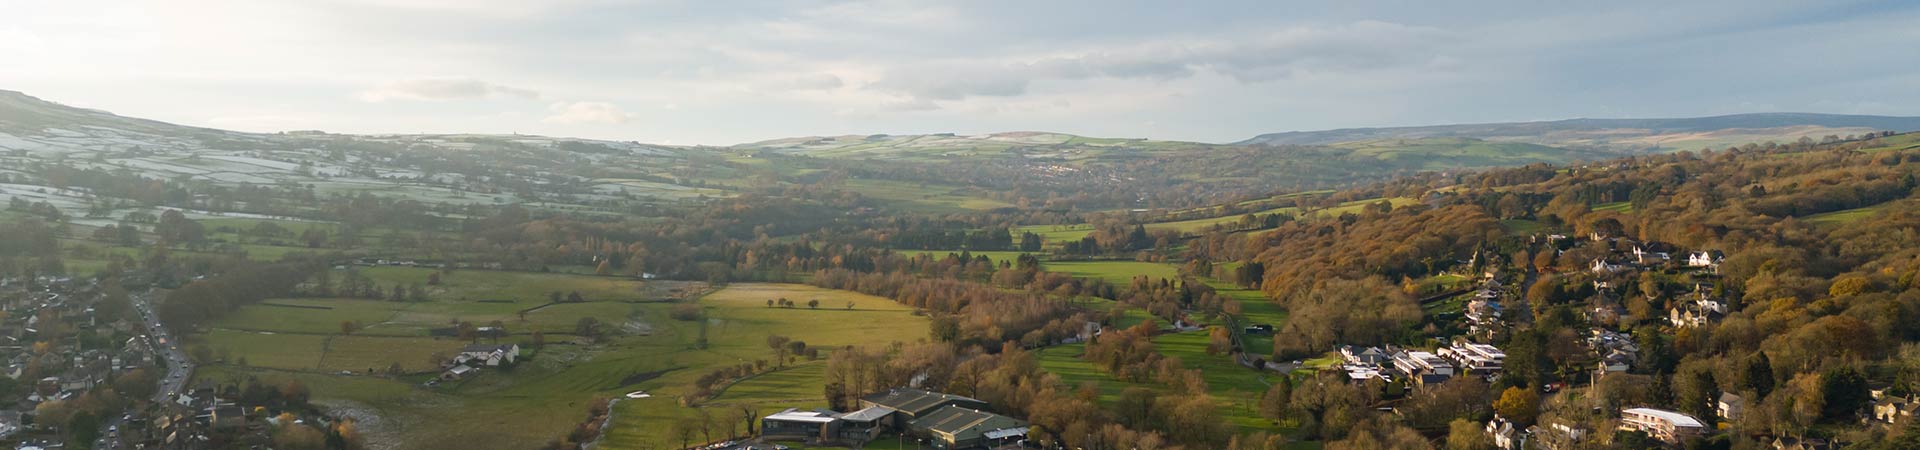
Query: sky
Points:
[727, 72]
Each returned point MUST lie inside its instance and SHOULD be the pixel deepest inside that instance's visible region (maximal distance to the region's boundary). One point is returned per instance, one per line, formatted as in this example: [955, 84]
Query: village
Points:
[88, 365]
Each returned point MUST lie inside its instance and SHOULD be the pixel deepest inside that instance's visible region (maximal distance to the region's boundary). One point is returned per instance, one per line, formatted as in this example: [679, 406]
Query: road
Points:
[166, 348]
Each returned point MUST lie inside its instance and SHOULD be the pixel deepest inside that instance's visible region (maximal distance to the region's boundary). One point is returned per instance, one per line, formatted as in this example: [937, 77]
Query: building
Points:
[863, 425]
[798, 424]
[1478, 359]
[1895, 409]
[489, 355]
[1729, 406]
[1667, 426]
[1709, 259]
[1502, 433]
[1415, 364]
[1557, 436]
[1367, 356]
[955, 427]
[910, 404]
[1602, 267]
[1696, 313]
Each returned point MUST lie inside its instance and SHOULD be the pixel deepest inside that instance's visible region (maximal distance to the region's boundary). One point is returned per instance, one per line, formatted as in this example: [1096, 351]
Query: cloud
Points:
[587, 112]
[444, 89]
[1247, 57]
[807, 82]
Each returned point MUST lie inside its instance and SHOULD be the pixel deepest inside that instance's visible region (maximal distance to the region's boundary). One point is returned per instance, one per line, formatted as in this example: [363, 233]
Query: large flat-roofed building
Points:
[1480, 359]
[1668, 426]
[955, 427]
[1417, 363]
[798, 423]
[910, 404]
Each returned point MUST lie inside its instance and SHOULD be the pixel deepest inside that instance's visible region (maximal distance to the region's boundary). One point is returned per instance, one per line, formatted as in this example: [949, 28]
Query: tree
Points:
[1518, 404]
[779, 345]
[1463, 434]
[1846, 393]
[1277, 401]
[348, 327]
[1758, 374]
[813, 304]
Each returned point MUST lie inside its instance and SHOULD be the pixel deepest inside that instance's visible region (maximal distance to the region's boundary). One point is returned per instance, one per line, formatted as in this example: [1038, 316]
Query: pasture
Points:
[546, 395]
[1116, 272]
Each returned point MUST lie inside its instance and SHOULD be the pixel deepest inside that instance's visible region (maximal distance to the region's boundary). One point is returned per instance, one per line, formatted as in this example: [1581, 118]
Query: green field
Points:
[1522, 227]
[1619, 207]
[1117, 272]
[1844, 216]
[1055, 235]
[995, 256]
[923, 198]
[1237, 389]
[544, 396]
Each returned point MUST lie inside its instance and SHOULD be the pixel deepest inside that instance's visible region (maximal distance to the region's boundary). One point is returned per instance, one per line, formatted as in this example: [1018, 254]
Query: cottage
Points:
[1368, 356]
[1667, 426]
[1729, 406]
[1895, 409]
[228, 415]
[1709, 259]
[1502, 432]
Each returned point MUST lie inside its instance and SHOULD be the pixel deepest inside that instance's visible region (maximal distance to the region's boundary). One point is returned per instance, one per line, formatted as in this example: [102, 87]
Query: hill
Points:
[1621, 134]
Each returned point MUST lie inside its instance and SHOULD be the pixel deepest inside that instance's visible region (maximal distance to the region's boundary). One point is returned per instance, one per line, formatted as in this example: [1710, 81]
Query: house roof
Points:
[963, 422]
[1678, 419]
[915, 401]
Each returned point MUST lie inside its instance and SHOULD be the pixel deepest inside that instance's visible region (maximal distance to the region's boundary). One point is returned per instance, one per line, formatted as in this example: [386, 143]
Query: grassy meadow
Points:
[546, 394]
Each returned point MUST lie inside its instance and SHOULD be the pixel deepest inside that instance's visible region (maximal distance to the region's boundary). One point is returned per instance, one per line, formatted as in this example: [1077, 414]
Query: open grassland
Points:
[995, 256]
[1619, 207]
[1235, 388]
[546, 395]
[923, 198]
[1201, 225]
[1055, 235]
[1117, 272]
[1906, 141]
[1844, 216]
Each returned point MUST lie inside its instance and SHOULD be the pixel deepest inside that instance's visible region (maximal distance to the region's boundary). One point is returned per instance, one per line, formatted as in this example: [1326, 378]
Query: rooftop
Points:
[1678, 419]
[799, 415]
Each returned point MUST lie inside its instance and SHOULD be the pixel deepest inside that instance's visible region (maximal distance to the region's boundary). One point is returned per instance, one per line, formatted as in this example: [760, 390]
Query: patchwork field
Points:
[544, 396]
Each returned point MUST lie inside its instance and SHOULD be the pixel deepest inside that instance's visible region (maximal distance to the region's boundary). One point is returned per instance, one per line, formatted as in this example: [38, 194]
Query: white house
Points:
[491, 355]
[1709, 259]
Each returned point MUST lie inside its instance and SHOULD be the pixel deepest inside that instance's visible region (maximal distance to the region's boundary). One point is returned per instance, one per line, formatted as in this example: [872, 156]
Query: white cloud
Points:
[587, 112]
[444, 89]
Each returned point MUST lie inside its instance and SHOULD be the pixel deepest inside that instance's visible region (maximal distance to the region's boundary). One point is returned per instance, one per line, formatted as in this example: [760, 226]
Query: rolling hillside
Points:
[1621, 134]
